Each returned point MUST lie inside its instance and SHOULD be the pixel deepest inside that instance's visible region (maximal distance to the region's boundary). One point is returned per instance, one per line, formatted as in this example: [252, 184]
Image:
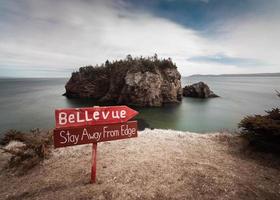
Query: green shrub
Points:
[263, 130]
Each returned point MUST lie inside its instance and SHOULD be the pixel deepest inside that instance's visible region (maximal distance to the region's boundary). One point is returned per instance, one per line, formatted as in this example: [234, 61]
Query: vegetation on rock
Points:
[133, 81]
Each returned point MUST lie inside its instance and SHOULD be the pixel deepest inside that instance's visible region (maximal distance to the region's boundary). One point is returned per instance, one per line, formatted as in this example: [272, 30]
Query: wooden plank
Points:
[92, 134]
[93, 116]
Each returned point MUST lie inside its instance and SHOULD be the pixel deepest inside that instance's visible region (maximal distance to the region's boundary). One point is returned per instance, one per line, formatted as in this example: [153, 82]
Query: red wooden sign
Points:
[75, 126]
[92, 134]
[93, 116]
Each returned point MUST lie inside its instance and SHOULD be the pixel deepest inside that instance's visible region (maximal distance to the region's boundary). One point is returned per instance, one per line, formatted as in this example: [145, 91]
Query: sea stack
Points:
[133, 81]
[198, 90]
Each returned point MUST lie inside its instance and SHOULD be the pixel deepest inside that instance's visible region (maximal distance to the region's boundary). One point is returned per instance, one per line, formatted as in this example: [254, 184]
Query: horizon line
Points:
[230, 74]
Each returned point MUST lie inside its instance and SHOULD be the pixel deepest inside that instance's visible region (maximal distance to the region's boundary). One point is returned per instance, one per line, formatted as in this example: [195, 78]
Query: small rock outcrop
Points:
[133, 81]
[198, 90]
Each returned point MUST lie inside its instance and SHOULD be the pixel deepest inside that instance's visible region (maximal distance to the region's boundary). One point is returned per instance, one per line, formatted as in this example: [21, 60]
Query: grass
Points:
[35, 147]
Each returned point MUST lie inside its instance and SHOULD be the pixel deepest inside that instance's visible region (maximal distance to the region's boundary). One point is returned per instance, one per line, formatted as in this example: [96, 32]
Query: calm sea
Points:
[30, 103]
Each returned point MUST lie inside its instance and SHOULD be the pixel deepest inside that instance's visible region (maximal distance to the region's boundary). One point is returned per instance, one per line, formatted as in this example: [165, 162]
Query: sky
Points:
[53, 38]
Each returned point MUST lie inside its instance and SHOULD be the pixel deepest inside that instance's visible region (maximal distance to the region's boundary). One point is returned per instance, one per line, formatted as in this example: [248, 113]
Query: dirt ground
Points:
[159, 164]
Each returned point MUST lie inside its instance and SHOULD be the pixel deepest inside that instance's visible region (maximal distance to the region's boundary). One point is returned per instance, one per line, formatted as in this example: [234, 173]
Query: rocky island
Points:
[198, 90]
[132, 81]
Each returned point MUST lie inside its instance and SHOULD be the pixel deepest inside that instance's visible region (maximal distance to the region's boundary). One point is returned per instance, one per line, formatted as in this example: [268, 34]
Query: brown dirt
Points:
[159, 164]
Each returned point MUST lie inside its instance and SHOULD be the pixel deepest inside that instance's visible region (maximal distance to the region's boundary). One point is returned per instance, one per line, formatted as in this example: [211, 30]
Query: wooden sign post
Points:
[92, 125]
[93, 165]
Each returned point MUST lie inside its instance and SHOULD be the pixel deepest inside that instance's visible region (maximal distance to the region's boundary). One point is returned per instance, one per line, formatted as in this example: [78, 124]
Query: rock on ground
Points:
[159, 164]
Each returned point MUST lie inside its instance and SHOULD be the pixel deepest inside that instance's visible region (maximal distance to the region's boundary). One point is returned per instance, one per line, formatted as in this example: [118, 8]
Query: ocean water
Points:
[30, 103]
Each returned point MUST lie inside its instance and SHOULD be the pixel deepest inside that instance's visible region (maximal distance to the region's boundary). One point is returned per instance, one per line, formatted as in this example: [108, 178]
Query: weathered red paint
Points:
[77, 126]
[92, 134]
[93, 116]
[93, 166]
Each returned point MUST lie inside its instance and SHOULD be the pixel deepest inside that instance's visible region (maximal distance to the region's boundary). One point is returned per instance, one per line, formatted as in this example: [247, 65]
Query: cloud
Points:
[253, 37]
[51, 34]
[227, 60]
[39, 35]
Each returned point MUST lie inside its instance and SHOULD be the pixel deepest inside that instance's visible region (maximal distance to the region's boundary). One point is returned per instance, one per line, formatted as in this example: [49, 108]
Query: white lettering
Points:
[69, 138]
[65, 139]
[85, 133]
[87, 118]
[123, 114]
[110, 133]
[71, 118]
[126, 131]
[78, 118]
[115, 115]
[62, 118]
[96, 115]
[91, 136]
[105, 115]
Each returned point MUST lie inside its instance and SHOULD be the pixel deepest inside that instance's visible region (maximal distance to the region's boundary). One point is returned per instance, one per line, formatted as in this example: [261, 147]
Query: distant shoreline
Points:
[190, 76]
[236, 75]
